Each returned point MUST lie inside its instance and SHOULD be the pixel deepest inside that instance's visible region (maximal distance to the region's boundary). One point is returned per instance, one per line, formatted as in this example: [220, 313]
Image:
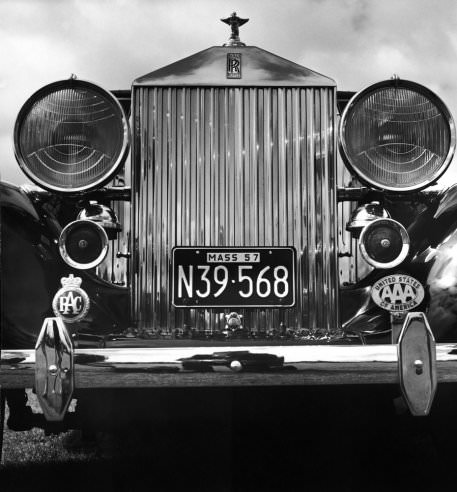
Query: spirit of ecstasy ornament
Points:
[234, 22]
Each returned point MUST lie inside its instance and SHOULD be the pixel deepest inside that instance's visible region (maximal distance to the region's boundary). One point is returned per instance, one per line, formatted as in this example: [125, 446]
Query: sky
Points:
[355, 42]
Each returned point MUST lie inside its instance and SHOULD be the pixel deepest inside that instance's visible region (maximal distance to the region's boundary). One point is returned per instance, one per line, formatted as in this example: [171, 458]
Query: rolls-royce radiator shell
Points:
[229, 164]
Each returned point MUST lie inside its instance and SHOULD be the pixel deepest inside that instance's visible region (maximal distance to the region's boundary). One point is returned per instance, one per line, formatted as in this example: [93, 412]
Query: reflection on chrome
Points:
[150, 367]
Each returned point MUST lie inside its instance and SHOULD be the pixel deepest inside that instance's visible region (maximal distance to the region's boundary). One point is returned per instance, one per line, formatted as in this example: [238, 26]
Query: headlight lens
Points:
[397, 135]
[71, 136]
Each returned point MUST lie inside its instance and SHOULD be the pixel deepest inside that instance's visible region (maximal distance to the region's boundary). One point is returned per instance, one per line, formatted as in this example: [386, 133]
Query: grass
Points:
[23, 448]
[344, 439]
[131, 459]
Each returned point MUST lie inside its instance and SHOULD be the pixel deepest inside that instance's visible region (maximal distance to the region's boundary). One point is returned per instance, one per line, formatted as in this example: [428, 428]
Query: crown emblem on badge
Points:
[71, 281]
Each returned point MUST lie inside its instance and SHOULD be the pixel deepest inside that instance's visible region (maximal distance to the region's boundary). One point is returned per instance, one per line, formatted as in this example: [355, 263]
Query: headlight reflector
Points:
[71, 136]
[397, 135]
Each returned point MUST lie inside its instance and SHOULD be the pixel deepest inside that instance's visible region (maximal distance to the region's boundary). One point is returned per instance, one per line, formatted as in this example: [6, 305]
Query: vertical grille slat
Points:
[234, 167]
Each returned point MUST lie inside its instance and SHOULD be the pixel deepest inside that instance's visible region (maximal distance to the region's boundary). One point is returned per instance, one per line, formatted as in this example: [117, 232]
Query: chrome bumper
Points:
[55, 368]
[161, 367]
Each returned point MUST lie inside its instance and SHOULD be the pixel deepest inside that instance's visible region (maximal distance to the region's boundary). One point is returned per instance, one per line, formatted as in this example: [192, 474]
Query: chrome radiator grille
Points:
[234, 167]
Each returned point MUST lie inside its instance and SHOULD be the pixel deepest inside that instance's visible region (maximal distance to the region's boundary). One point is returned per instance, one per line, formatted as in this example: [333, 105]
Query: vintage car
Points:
[232, 220]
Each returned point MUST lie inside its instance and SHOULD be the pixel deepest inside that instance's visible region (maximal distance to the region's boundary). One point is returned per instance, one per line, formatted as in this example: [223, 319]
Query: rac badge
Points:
[397, 293]
[71, 303]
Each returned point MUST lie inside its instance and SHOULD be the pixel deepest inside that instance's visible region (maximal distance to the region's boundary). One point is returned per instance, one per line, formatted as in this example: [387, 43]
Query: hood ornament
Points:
[234, 22]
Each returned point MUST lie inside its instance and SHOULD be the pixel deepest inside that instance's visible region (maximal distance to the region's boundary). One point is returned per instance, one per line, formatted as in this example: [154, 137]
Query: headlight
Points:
[71, 136]
[397, 135]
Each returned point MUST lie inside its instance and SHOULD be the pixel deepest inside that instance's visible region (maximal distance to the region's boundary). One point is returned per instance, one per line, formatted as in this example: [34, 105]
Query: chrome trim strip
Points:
[169, 367]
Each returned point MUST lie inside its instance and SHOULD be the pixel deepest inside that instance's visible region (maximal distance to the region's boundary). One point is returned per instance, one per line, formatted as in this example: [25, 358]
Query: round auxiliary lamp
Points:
[83, 244]
[384, 243]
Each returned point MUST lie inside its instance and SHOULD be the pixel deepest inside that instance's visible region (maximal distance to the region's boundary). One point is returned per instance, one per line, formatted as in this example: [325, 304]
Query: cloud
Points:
[355, 42]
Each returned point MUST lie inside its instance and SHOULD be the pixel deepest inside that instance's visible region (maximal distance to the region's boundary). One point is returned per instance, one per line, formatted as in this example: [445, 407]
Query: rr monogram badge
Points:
[234, 65]
[71, 303]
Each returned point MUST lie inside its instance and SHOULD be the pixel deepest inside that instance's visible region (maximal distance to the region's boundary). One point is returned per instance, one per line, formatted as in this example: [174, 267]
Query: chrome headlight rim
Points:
[406, 84]
[403, 253]
[72, 82]
[63, 249]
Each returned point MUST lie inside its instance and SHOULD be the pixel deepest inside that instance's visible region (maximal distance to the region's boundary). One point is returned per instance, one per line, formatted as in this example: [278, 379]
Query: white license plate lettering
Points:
[281, 285]
[242, 278]
[205, 279]
[248, 283]
[263, 285]
[221, 277]
[185, 280]
[252, 278]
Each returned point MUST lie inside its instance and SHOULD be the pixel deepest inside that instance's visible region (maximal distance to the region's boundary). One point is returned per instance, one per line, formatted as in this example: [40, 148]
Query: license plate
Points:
[233, 277]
